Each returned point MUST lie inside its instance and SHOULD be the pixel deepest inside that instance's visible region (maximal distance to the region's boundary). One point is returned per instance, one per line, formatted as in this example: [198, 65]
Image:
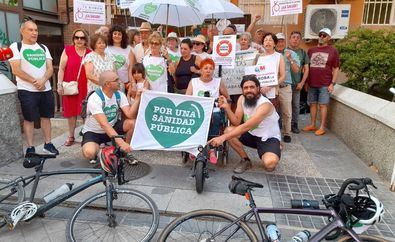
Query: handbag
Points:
[71, 88]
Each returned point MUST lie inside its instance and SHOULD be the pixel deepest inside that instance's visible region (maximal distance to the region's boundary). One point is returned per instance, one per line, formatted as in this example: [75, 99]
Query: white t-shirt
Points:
[202, 55]
[156, 72]
[121, 61]
[174, 55]
[33, 62]
[110, 110]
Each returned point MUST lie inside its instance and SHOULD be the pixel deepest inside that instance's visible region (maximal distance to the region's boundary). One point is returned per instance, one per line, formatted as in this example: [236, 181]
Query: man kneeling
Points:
[259, 130]
[104, 118]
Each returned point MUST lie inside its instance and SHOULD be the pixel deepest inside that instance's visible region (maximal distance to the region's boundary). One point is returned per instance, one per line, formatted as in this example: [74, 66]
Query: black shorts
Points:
[36, 105]
[270, 145]
[102, 138]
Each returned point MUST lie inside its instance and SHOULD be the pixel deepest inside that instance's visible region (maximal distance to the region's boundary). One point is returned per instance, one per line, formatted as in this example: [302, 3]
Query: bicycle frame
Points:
[36, 179]
[319, 236]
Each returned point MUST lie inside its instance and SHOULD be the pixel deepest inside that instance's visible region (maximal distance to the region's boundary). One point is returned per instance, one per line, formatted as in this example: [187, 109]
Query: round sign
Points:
[224, 48]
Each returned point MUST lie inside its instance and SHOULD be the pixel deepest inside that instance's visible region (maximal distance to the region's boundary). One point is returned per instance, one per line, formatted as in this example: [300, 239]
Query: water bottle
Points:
[57, 192]
[302, 236]
[273, 233]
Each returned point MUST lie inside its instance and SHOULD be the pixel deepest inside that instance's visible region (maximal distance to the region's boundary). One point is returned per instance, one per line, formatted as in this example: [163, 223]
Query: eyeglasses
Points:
[80, 37]
[323, 35]
[155, 43]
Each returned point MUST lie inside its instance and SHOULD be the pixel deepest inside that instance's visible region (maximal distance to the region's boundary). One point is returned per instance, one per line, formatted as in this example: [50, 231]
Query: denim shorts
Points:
[318, 95]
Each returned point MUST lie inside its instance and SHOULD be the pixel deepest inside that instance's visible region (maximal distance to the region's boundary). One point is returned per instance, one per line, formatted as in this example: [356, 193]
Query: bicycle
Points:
[110, 210]
[217, 225]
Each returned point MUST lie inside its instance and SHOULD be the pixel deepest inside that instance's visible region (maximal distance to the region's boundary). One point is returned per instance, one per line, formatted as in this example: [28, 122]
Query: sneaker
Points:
[30, 150]
[287, 139]
[212, 157]
[242, 166]
[50, 149]
[131, 159]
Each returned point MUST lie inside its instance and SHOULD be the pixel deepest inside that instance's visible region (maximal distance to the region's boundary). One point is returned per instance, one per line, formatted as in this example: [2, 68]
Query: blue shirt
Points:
[288, 68]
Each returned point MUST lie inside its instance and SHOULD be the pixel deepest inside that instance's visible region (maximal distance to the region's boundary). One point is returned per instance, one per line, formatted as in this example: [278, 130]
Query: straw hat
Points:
[200, 38]
[173, 35]
[145, 26]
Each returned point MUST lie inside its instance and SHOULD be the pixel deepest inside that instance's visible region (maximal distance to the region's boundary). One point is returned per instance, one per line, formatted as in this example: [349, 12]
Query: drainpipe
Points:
[392, 187]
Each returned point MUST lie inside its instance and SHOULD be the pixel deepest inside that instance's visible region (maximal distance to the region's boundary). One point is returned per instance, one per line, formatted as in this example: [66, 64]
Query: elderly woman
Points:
[97, 61]
[186, 67]
[71, 69]
[124, 57]
[199, 45]
[245, 42]
[155, 63]
[207, 85]
[270, 55]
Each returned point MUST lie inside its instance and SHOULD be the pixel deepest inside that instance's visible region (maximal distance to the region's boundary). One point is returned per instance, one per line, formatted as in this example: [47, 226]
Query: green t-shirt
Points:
[303, 59]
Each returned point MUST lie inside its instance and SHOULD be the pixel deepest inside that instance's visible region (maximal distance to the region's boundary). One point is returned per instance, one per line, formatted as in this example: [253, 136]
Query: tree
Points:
[368, 58]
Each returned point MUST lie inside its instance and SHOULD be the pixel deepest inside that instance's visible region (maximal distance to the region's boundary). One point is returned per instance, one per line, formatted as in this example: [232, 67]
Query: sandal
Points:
[69, 141]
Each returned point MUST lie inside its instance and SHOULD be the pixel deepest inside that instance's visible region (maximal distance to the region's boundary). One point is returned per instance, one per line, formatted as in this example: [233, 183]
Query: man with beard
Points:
[259, 129]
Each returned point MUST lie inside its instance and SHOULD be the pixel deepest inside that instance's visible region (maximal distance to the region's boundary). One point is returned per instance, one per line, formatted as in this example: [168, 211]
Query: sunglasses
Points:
[115, 80]
[323, 35]
[155, 43]
[80, 37]
[198, 43]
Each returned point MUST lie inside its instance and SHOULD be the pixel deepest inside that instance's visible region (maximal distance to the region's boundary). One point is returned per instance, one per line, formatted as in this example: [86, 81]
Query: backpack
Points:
[99, 92]
[19, 46]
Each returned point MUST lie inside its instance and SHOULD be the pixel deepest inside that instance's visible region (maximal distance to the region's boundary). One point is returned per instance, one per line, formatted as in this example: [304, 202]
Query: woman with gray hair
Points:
[245, 42]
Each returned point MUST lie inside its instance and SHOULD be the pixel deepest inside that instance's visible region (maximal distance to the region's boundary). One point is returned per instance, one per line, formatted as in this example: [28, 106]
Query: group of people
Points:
[112, 67]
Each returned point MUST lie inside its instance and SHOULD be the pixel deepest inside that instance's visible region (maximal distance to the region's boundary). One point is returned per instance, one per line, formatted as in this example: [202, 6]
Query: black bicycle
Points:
[116, 214]
[216, 225]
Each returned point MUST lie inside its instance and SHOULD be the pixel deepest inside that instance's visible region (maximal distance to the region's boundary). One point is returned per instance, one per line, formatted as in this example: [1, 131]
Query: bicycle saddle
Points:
[33, 159]
[240, 186]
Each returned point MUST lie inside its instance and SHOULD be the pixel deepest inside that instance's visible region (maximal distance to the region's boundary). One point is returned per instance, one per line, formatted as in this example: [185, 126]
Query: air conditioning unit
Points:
[336, 17]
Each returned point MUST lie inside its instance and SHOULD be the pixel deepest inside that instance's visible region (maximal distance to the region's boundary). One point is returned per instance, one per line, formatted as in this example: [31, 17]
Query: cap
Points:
[200, 38]
[145, 26]
[280, 36]
[326, 31]
[172, 35]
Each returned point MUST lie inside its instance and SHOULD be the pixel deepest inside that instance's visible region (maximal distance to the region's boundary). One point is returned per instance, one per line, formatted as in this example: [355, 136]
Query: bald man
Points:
[104, 118]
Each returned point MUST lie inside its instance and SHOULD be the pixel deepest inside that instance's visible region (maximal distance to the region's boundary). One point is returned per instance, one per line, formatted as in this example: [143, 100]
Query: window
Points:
[45, 5]
[9, 28]
[379, 12]
[262, 7]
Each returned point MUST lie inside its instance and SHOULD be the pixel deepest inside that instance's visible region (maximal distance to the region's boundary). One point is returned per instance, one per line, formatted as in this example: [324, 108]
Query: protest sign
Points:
[285, 7]
[168, 121]
[267, 75]
[232, 77]
[124, 4]
[224, 50]
[87, 12]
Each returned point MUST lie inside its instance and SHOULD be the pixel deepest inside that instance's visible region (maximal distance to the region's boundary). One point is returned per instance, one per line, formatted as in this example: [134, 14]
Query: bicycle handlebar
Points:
[355, 184]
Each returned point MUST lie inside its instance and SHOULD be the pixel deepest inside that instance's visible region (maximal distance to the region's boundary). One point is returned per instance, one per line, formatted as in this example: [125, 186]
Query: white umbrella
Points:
[219, 9]
[170, 12]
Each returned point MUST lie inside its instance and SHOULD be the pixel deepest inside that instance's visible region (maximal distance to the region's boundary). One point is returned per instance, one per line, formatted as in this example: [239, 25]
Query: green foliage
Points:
[368, 57]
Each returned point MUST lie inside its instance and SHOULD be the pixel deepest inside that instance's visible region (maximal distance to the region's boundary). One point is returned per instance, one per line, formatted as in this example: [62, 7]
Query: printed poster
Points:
[175, 122]
[87, 12]
[124, 4]
[233, 76]
[285, 7]
[224, 50]
[266, 74]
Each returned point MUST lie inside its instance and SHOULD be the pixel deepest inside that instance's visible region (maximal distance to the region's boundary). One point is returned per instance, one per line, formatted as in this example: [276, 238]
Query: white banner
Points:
[232, 77]
[87, 12]
[123, 4]
[224, 50]
[174, 122]
[285, 7]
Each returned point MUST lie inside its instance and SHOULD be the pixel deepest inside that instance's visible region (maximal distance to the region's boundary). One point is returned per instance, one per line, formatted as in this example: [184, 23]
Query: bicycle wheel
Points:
[136, 218]
[200, 225]
[363, 237]
[199, 176]
[9, 197]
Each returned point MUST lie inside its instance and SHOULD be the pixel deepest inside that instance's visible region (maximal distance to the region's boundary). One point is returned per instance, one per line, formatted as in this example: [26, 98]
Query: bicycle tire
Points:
[9, 203]
[199, 177]
[139, 220]
[183, 229]
[363, 237]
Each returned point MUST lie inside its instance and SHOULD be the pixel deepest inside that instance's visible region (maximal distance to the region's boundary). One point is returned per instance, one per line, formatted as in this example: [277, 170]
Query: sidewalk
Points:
[310, 167]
